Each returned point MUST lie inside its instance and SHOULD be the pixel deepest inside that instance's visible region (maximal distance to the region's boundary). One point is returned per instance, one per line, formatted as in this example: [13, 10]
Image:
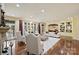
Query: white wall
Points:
[16, 25]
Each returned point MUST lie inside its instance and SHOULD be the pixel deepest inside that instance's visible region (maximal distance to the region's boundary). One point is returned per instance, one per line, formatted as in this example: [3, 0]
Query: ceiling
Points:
[50, 11]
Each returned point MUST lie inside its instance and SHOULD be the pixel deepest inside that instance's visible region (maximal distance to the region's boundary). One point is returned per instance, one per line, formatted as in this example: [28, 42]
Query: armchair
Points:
[34, 44]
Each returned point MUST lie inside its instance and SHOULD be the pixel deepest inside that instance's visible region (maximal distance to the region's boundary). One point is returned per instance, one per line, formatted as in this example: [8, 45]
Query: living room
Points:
[39, 29]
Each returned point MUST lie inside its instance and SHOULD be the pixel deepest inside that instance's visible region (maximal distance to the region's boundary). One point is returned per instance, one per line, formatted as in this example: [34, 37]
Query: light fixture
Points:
[42, 10]
[17, 5]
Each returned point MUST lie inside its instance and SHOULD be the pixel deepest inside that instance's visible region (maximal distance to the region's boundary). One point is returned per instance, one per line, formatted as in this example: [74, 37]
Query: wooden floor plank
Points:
[65, 47]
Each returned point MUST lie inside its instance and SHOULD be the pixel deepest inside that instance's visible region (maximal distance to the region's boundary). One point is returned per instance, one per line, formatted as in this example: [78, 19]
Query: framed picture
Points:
[52, 27]
[68, 26]
[62, 27]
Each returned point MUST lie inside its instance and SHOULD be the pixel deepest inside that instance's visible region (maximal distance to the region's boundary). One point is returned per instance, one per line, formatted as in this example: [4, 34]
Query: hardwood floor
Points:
[65, 47]
[62, 47]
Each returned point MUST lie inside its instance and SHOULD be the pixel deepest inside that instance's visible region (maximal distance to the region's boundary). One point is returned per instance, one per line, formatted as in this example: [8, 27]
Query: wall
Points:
[75, 28]
[11, 18]
[74, 20]
[67, 33]
[16, 19]
[51, 22]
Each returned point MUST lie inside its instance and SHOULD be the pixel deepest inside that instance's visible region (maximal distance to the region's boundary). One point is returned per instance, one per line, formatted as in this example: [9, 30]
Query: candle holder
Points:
[11, 45]
[4, 51]
[6, 45]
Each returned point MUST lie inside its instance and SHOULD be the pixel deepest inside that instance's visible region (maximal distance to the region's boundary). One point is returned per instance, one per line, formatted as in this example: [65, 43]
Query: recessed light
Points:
[42, 10]
[17, 5]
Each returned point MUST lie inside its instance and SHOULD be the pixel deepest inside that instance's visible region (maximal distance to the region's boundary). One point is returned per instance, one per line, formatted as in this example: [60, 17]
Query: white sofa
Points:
[34, 44]
[26, 33]
[52, 34]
